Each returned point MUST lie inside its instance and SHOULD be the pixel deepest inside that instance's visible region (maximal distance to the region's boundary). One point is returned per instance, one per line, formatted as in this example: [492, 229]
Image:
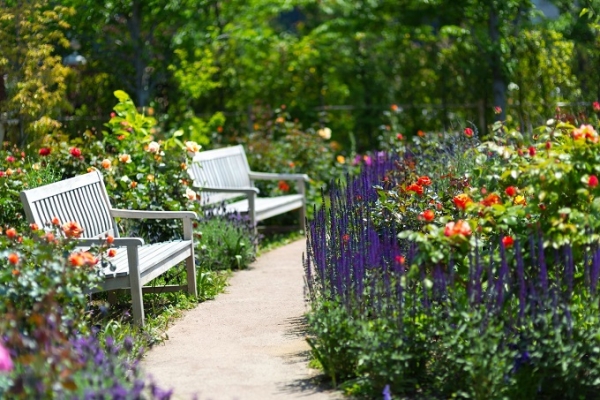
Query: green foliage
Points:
[35, 87]
[226, 242]
[36, 265]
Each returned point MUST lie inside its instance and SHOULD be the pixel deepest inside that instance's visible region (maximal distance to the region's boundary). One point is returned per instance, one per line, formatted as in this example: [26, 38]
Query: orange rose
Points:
[13, 258]
[424, 181]
[459, 227]
[112, 252]
[72, 229]
[11, 233]
[418, 189]
[428, 215]
[462, 201]
[76, 260]
[491, 199]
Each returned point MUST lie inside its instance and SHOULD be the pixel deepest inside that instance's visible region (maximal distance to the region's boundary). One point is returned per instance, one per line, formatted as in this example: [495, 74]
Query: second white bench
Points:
[223, 175]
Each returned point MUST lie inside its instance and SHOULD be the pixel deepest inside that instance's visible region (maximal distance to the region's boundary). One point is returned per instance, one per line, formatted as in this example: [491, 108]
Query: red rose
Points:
[593, 181]
[511, 191]
[508, 241]
[468, 132]
[283, 186]
[532, 151]
[596, 106]
[45, 151]
[75, 152]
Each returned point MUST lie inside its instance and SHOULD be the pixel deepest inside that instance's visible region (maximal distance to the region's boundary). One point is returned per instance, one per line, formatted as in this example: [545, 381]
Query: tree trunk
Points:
[135, 28]
[498, 79]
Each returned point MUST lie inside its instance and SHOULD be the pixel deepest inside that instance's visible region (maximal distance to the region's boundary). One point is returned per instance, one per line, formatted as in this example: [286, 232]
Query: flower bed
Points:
[456, 268]
[56, 342]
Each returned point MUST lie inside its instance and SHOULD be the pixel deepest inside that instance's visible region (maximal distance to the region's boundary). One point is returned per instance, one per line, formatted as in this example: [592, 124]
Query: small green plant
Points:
[226, 242]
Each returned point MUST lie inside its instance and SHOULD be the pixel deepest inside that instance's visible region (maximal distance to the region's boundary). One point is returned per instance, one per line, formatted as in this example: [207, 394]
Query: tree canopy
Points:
[334, 63]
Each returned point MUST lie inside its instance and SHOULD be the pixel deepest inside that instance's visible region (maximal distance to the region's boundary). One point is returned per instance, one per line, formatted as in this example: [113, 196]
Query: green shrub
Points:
[226, 241]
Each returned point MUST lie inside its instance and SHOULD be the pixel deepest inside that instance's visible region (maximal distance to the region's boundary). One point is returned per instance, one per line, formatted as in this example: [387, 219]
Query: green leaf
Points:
[584, 11]
[121, 95]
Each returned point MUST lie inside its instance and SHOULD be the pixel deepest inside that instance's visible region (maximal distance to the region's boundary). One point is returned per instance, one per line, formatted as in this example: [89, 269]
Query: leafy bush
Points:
[226, 241]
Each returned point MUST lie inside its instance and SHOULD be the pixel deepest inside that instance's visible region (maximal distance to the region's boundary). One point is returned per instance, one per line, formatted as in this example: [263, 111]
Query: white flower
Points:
[190, 194]
[153, 147]
[192, 148]
[325, 133]
[125, 178]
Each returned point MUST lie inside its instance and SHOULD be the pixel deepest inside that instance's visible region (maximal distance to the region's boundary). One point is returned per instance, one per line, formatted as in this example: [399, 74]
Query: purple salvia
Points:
[595, 271]
[555, 318]
[502, 273]
[470, 278]
[387, 394]
[425, 298]
[478, 274]
[586, 266]
[542, 266]
[521, 279]
[569, 269]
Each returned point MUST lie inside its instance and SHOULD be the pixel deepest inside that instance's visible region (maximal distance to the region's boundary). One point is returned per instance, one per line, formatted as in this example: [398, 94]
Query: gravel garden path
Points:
[248, 343]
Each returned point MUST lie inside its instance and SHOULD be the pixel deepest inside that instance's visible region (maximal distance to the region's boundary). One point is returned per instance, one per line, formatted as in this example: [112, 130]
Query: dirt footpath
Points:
[248, 343]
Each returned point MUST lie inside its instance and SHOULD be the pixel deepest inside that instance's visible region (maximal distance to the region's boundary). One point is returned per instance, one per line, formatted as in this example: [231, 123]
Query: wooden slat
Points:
[267, 207]
[150, 256]
[77, 199]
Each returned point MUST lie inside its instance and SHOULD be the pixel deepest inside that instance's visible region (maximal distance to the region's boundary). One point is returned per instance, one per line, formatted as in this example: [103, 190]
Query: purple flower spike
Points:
[387, 394]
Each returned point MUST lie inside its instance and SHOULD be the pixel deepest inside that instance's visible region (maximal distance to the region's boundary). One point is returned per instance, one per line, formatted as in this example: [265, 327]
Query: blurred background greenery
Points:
[223, 71]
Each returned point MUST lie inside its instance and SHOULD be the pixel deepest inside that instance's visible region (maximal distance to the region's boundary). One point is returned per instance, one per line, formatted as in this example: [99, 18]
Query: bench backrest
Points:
[82, 199]
[220, 168]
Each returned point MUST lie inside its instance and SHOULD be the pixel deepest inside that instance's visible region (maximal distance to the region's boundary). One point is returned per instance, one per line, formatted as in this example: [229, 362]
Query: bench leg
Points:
[135, 285]
[190, 265]
[303, 218]
[138, 305]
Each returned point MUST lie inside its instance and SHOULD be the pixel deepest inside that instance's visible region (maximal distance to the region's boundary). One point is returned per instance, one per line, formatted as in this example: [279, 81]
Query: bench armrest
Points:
[275, 176]
[186, 216]
[125, 241]
[138, 214]
[246, 190]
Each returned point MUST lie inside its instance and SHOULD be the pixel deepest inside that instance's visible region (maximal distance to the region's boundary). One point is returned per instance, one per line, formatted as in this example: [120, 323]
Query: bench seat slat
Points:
[149, 256]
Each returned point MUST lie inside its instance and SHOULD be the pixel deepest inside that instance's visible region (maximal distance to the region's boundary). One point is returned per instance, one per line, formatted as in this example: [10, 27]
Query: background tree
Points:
[32, 77]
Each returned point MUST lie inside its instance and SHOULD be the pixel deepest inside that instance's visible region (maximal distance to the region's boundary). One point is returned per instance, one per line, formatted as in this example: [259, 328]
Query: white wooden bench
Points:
[224, 174]
[84, 199]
